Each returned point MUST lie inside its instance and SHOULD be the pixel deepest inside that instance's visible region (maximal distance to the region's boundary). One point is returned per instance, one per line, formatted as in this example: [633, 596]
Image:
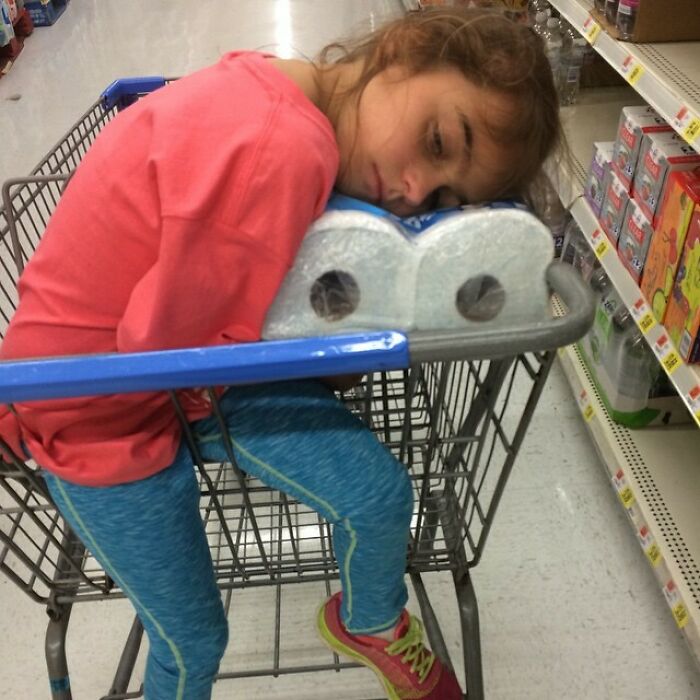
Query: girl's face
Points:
[419, 142]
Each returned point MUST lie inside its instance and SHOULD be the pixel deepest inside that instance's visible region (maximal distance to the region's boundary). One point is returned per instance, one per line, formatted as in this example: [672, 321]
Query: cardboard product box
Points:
[661, 20]
[612, 213]
[600, 164]
[45, 12]
[635, 238]
[683, 313]
[681, 197]
[634, 123]
[659, 155]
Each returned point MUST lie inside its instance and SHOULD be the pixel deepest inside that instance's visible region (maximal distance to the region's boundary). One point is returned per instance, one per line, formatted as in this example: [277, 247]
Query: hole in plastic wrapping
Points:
[480, 298]
[334, 295]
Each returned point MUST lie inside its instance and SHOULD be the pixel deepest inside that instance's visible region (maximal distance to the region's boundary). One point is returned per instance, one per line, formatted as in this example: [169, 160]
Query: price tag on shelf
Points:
[632, 69]
[623, 489]
[591, 30]
[673, 597]
[693, 398]
[664, 350]
[601, 246]
[687, 123]
[651, 549]
[642, 314]
[584, 402]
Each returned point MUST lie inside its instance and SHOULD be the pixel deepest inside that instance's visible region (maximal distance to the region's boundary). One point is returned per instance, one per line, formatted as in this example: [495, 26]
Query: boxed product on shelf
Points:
[634, 123]
[635, 238]
[681, 197]
[615, 200]
[45, 12]
[595, 185]
[659, 155]
[682, 319]
[659, 20]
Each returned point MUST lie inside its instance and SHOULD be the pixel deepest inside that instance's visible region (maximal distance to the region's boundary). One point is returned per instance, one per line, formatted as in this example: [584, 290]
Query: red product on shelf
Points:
[683, 313]
[635, 238]
[660, 155]
[634, 123]
[681, 198]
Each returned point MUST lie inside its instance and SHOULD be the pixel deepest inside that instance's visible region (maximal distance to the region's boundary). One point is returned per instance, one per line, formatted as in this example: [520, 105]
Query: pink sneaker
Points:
[407, 670]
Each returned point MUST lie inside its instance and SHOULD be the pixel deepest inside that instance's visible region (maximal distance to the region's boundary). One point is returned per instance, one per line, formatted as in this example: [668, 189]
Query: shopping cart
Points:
[453, 407]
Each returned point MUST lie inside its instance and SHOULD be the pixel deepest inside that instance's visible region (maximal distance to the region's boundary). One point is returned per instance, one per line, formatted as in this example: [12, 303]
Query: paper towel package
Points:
[484, 267]
[366, 269]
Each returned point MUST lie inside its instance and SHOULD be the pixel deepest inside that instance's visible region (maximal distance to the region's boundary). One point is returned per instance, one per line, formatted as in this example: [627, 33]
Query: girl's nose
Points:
[419, 182]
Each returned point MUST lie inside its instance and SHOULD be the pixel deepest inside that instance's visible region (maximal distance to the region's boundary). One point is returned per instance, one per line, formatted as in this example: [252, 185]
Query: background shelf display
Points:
[595, 118]
[655, 471]
[665, 75]
[655, 474]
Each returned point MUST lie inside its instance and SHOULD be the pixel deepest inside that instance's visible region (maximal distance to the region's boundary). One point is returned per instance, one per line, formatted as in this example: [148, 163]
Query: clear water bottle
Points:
[635, 365]
[572, 57]
[552, 213]
[540, 25]
[626, 18]
[536, 6]
[573, 239]
[611, 11]
[600, 282]
[553, 45]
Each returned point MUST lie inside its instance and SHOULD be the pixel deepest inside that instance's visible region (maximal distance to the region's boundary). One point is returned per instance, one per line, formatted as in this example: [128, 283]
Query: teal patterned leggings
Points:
[294, 436]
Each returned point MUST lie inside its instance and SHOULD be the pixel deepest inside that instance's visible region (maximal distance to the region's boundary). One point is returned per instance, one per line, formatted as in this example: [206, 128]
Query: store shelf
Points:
[656, 475]
[665, 75]
[595, 119]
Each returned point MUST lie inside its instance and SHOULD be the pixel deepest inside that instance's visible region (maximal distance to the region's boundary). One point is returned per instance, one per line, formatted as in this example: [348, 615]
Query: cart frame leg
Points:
[55, 650]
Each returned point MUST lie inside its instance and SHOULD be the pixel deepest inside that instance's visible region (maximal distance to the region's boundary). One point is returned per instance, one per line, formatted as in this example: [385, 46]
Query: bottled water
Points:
[635, 364]
[553, 215]
[553, 45]
[540, 25]
[611, 10]
[536, 6]
[572, 57]
[626, 18]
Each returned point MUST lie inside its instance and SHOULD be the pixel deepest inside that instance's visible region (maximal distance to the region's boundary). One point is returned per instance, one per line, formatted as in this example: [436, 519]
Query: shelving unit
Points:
[655, 471]
[595, 119]
[665, 75]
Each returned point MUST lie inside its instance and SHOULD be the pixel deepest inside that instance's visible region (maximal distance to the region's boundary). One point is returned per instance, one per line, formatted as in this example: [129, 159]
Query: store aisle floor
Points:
[569, 607]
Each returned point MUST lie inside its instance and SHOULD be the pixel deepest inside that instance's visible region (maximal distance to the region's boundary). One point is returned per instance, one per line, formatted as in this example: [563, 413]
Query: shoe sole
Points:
[335, 644]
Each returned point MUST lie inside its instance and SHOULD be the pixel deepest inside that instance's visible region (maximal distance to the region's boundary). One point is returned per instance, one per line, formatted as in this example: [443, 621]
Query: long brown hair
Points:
[491, 51]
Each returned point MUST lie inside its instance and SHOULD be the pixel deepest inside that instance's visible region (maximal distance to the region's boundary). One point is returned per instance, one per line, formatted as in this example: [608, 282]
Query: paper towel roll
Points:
[354, 271]
[482, 267]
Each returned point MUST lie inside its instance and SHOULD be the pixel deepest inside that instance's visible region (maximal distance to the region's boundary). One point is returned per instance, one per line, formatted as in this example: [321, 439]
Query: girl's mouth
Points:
[379, 188]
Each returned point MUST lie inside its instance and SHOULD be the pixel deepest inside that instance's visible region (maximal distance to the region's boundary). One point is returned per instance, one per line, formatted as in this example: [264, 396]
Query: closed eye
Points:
[437, 146]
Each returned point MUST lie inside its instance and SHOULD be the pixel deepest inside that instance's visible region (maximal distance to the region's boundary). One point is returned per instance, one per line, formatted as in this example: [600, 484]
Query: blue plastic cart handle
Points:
[125, 90]
[67, 377]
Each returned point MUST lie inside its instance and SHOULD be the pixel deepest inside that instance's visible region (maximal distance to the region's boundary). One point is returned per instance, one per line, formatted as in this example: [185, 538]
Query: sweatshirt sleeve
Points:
[227, 243]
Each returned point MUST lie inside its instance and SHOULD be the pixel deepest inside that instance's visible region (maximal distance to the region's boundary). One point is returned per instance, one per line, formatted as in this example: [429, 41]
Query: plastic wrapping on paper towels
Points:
[360, 268]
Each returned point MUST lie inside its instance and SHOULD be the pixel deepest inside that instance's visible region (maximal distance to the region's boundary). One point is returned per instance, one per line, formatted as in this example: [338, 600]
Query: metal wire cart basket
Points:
[454, 408]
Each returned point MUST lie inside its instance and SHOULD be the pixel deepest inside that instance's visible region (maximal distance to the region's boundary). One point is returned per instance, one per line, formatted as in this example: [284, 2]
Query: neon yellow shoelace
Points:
[411, 646]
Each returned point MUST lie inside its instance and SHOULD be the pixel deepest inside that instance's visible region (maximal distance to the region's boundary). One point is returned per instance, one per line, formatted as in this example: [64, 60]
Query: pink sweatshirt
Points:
[175, 231]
